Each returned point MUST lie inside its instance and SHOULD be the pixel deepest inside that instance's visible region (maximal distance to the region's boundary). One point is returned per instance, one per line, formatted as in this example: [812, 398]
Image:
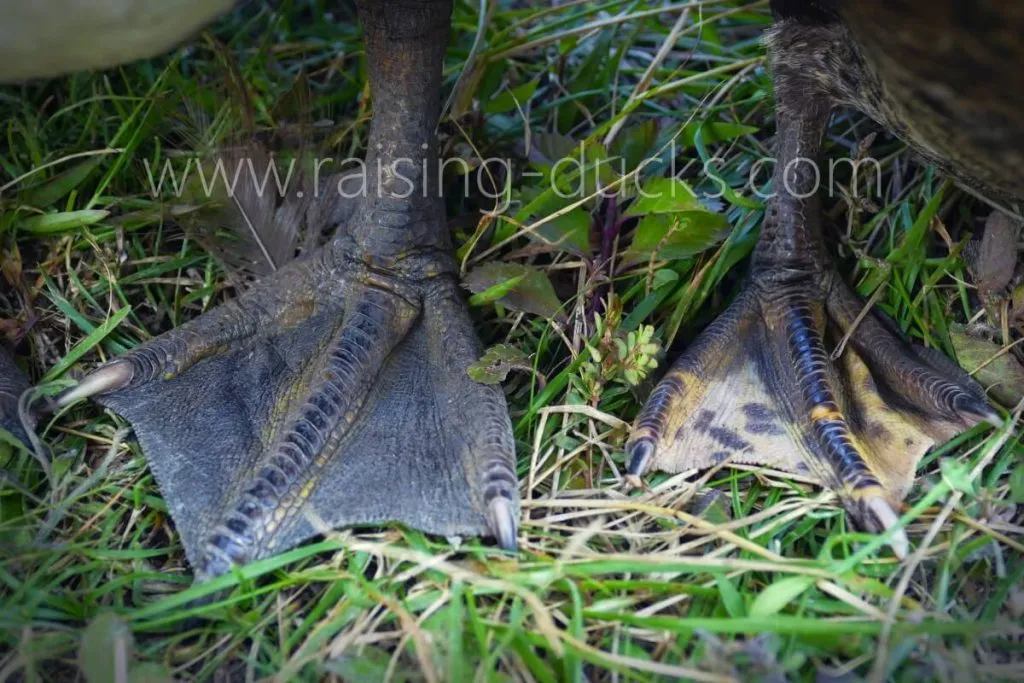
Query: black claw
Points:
[965, 403]
[640, 454]
[222, 551]
[212, 565]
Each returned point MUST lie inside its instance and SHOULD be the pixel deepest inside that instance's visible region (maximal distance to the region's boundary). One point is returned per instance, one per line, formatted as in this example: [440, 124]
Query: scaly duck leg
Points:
[760, 385]
[335, 392]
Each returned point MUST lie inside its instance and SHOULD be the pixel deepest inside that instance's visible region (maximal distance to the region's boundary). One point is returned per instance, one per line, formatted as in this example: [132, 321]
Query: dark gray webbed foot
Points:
[318, 399]
[12, 383]
[335, 391]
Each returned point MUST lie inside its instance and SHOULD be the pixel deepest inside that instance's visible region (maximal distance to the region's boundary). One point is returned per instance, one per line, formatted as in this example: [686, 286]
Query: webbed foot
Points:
[335, 391]
[326, 396]
[760, 386]
[12, 384]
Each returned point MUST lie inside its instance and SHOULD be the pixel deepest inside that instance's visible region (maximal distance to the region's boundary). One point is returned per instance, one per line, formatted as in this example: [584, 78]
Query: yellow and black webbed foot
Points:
[325, 396]
[789, 376]
[760, 386]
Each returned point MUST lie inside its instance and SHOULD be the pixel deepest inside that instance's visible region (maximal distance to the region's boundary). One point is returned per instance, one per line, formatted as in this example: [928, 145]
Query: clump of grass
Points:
[767, 582]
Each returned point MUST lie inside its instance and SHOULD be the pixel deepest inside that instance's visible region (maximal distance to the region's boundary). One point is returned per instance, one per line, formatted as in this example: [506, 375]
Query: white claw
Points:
[502, 519]
[993, 418]
[887, 518]
[102, 380]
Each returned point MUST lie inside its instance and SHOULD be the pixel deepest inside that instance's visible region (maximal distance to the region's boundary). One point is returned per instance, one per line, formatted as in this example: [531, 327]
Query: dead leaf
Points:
[10, 265]
[1002, 376]
[497, 361]
[996, 255]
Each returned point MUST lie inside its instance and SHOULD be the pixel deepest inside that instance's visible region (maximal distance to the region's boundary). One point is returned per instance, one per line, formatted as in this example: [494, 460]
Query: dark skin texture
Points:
[335, 392]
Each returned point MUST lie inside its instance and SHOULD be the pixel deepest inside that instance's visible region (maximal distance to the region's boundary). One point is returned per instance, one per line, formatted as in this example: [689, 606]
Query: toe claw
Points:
[502, 520]
[965, 403]
[640, 454]
[110, 377]
[987, 414]
[993, 418]
[886, 518]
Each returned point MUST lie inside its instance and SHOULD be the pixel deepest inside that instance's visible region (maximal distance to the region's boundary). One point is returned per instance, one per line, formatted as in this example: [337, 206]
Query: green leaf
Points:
[910, 247]
[106, 649]
[49, 192]
[549, 148]
[664, 277]
[371, 664]
[635, 143]
[1017, 484]
[495, 292]
[713, 131]
[677, 235]
[91, 340]
[520, 287]
[568, 232]
[1001, 374]
[497, 361]
[774, 598]
[9, 444]
[63, 221]
[712, 505]
[507, 99]
[731, 598]
[664, 195]
[957, 475]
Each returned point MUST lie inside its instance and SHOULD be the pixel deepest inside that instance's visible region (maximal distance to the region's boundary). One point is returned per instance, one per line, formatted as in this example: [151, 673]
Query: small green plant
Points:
[619, 360]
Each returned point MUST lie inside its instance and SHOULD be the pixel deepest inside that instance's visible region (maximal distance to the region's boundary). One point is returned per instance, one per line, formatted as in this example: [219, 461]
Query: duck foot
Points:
[789, 376]
[12, 384]
[335, 392]
[765, 385]
[326, 396]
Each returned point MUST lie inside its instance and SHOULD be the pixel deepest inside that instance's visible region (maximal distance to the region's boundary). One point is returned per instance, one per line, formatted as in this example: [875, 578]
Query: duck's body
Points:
[41, 38]
[944, 76]
[339, 386]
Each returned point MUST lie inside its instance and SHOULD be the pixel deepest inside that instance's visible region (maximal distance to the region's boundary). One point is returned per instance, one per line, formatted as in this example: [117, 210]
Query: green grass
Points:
[768, 583]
